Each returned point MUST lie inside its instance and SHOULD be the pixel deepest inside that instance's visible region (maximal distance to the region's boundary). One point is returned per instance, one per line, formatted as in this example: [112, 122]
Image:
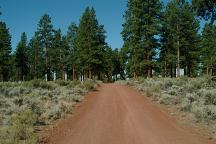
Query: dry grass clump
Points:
[28, 104]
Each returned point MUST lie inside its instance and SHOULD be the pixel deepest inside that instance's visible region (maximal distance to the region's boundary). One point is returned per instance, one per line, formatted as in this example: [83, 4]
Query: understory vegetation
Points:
[26, 106]
[195, 96]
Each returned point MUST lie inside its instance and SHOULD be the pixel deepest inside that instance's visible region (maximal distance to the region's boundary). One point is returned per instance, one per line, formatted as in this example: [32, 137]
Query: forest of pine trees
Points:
[159, 40]
[166, 40]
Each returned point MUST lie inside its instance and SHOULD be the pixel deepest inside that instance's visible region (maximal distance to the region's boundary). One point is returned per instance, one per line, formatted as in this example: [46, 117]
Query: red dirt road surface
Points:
[117, 114]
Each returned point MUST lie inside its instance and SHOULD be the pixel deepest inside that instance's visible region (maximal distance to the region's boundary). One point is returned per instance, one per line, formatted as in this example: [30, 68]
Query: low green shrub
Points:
[73, 84]
[77, 98]
[148, 92]
[168, 99]
[62, 82]
[88, 85]
[211, 112]
[21, 129]
[210, 97]
[185, 105]
[41, 84]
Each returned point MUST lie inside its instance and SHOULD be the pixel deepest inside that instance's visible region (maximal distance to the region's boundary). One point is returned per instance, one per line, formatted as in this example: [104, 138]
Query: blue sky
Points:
[23, 16]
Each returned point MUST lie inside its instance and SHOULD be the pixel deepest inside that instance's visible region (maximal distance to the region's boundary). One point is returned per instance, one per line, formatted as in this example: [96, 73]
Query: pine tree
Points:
[118, 65]
[167, 57]
[44, 35]
[13, 68]
[209, 49]
[97, 52]
[123, 61]
[64, 55]
[109, 65]
[22, 58]
[84, 42]
[90, 44]
[179, 39]
[55, 54]
[71, 59]
[190, 49]
[5, 51]
[174, 21]
[36, 59]
[113, 64]
[205, 9]
[139, 33]
[59, 54]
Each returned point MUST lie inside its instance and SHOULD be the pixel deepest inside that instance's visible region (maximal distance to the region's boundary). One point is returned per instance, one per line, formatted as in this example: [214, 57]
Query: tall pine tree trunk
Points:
[62, 71]
[149, 71]
[191, 71]
[34, 69]
[73, 77]
[178, 60]
[1, 73]
[99, 76]
[86, 75]
[62, 64]
[90, 74]
[46, 64]
[165, 69]
[83, 75]
[210, 69]
[186, 70]
[178, 53]
[210, 72]
[207, 70]
[134, 75]
[174, 71]
[49, 68]
[171, 71]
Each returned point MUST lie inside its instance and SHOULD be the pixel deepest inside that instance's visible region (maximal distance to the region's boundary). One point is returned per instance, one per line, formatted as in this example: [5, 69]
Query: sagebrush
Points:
[26, 105]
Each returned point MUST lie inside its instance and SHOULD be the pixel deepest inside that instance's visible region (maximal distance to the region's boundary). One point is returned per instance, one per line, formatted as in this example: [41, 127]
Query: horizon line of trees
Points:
[79, 55]
[158, 41]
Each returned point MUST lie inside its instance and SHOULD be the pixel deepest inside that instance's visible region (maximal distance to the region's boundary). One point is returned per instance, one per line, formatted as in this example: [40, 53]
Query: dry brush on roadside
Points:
[28, 105]
[194, 96]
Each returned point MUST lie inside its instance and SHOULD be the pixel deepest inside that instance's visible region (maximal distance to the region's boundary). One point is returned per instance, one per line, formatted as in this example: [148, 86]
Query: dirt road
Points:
[117, 114]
